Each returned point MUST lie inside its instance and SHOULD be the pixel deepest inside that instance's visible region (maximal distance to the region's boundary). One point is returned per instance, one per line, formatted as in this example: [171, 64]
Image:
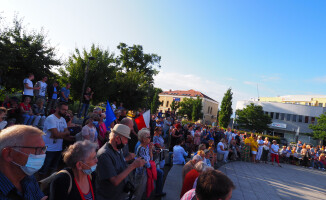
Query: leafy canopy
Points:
[226, 109]
[319, 130]
[253, 118]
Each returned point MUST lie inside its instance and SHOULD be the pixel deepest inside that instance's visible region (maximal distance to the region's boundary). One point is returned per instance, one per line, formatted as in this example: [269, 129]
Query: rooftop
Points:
[187, 93]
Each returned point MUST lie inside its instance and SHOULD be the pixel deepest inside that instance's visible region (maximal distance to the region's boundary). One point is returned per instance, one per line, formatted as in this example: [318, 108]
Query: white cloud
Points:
[320, 79]
[212, 88]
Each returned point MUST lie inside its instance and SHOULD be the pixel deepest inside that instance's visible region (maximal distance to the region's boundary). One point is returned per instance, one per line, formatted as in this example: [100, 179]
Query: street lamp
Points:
[84, 84]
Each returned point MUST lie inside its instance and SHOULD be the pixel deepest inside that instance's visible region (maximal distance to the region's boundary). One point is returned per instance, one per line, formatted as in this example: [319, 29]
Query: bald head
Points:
[128, 122]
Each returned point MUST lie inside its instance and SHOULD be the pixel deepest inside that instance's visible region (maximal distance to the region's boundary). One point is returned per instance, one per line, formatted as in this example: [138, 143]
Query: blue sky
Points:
[205, 45]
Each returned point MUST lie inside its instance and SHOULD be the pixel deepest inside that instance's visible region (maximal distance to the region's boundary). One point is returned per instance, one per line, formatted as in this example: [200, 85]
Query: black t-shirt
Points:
[85, 100]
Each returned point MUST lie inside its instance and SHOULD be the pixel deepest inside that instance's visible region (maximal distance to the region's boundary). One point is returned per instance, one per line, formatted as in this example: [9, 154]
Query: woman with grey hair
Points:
[75, 182]
[145, 151]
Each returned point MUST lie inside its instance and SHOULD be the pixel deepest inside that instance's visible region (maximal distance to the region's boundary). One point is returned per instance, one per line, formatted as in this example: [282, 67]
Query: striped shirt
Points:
[31, 190]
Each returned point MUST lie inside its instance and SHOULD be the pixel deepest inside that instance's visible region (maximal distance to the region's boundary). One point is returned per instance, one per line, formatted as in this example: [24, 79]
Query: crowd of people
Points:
[42, 146]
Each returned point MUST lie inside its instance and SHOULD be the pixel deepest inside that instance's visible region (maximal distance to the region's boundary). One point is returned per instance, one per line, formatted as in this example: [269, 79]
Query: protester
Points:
[65, 93]
[112, 170]
[22, 154]
[87, 97]
[81, 161]
[3, 122]
[176, 134]
[55, 129]
[191, 177]
[197, 136]
[28, 87]
[190, 165]
[103, 134]
[211, 185]
[260, 143]
[253, 147]
[42, 91]
[89, 131]
[159, 143]
[266, 148]
[53, 92]
[221, 149]
[274, 153]
[179, 153]
[39, 112]
[26, 110]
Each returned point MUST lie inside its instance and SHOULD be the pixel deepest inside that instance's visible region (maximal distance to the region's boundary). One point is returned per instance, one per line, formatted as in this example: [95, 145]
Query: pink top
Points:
[102, 132]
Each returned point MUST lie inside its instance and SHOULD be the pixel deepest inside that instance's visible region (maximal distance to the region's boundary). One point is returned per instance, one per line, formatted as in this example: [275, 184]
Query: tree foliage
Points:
[319, 130]
[174, 105]
[253, 118]
[226, 109]
[155, 100]
[23, 52]
[126, 78]
[192, 108]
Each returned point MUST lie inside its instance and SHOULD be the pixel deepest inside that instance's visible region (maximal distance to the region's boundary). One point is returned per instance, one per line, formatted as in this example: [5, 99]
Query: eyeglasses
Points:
[38, 150]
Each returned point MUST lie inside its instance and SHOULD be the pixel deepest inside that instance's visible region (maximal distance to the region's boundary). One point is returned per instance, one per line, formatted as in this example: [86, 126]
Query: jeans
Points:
[225, 154]
[85, 109]
[28, 119]
[159, 181]
[51, 162]
[39, 121]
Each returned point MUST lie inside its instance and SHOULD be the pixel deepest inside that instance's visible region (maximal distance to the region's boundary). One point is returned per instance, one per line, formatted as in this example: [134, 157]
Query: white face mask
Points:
[89, 171]
[33, 164]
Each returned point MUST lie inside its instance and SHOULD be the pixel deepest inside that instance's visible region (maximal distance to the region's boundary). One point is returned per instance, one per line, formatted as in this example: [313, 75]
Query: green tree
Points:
[186, 106]
[226, 109]
[135, 76]
[174, 106]
[253, 118]
[155, 101]
[101, 74]
[197, 109]
[23, 52]
[319, 130]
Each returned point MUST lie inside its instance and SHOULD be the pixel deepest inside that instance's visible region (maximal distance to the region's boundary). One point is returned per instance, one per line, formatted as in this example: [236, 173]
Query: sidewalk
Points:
[173, 183]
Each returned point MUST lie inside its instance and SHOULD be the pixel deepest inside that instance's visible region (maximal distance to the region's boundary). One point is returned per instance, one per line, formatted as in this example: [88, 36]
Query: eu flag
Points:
[110, 117]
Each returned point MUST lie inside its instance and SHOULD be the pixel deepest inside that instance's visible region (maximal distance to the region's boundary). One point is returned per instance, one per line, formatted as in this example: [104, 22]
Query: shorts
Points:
[254, 152]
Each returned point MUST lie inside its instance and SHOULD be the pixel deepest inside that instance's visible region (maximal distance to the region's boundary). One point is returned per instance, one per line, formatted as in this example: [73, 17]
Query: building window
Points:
[294, 118]
[211, 110]
[306, 119]
[167, 104]
[208, 109]
[162, 103]
[300, 118]
[282, 116]
[277, 115]
[288, 117]
[313, 119]
[272, 115]
[320, 104]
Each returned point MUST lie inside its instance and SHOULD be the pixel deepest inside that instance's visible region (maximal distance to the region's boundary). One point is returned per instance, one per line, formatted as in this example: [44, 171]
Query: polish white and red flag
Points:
[143, 120]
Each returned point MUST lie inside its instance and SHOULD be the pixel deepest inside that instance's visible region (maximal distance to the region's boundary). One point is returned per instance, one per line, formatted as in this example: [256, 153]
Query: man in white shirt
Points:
[55, 129]
[42, 91]
[28, 87]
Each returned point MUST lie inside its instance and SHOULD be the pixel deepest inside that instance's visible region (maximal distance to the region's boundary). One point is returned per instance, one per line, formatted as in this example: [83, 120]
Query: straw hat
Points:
[122, 130]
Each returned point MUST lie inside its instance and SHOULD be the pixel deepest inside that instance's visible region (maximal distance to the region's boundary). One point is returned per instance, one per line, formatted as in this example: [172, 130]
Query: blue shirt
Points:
[178, 155]
[31, 190]
[66, 92]
[54, 95]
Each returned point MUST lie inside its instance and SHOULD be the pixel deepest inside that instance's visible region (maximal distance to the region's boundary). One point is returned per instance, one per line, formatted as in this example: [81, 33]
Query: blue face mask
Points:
[89, 171]
[33, 164]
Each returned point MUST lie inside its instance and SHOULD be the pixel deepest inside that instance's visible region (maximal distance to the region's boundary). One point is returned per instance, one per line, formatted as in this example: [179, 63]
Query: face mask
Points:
[121, 145]
[34, 163]
[89, 171]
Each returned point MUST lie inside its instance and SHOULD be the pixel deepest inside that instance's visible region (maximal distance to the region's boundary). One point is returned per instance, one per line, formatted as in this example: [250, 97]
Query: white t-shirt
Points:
[219, 145]
[274, 148]
[260, 142]
[53, 122]
[42, 89]
[28, 92]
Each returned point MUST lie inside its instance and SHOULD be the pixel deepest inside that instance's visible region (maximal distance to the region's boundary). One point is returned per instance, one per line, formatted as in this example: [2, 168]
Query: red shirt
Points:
[26, 108]
[189, 181]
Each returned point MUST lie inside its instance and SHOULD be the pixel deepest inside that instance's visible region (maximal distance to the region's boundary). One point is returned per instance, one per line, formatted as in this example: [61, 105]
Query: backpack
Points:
[45, 183]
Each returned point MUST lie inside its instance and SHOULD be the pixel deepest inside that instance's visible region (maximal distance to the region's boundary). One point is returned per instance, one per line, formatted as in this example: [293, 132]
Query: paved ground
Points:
[264, 181]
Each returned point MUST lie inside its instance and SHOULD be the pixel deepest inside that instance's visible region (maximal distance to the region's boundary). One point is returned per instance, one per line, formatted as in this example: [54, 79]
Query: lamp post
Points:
[85, 78]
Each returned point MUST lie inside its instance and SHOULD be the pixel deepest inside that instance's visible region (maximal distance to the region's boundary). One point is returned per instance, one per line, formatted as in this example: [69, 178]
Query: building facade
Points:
[210, 106]
[308, 100]
[289, 120]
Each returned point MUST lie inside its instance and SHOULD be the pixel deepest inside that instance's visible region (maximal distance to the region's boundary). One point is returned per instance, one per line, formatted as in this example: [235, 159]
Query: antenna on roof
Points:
[257, 92]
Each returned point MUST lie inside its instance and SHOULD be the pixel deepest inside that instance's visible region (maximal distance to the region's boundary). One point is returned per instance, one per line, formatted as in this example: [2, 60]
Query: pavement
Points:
[264, 181]
[261, 181]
